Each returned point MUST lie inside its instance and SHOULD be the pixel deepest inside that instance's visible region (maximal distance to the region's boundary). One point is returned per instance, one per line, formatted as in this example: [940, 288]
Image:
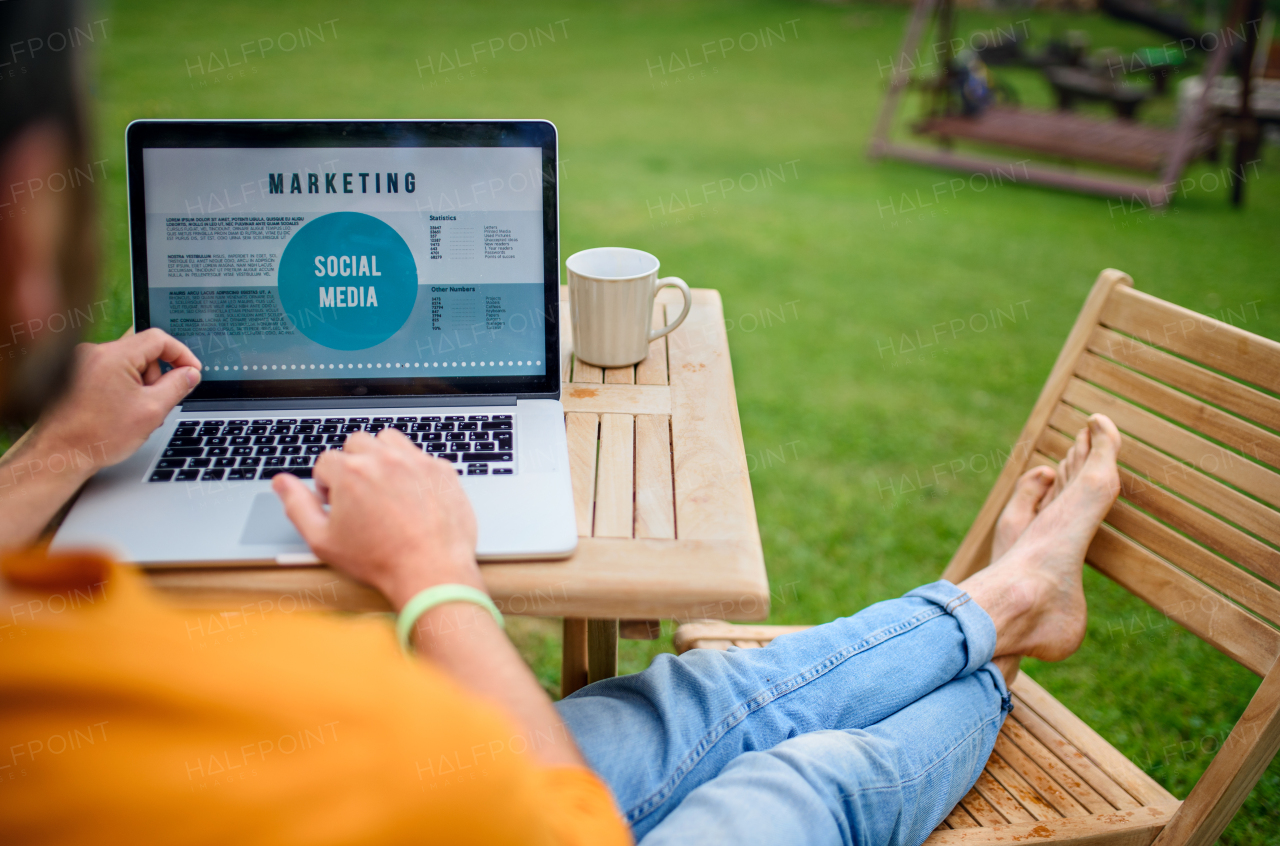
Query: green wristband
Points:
[424, 601]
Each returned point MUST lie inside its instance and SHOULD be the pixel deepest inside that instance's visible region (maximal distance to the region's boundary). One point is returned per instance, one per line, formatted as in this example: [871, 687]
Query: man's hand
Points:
[398, 518]
[118, 395]
[116, 399]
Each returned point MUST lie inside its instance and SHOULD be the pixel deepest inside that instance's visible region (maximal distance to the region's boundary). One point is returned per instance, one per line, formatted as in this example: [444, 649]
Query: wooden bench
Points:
[1194, 534]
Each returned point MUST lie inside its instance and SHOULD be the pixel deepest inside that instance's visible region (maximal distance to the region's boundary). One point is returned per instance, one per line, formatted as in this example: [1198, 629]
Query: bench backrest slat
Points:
[1184, 375]
[1178, 443]
[1198, 337]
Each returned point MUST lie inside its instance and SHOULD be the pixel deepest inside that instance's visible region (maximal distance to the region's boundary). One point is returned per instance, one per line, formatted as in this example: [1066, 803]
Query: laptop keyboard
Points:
[215, 450]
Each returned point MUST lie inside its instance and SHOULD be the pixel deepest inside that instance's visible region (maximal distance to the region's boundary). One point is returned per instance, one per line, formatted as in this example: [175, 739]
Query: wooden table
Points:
[662, 495]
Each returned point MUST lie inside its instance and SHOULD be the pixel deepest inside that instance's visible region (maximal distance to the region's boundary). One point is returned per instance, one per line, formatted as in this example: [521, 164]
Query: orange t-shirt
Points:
[124, 720]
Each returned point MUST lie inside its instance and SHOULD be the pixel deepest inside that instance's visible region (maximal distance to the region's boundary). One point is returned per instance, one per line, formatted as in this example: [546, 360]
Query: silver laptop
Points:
[335, 277]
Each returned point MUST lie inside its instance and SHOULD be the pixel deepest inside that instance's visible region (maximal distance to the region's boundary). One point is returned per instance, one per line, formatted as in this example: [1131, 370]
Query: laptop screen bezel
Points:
[143, 134]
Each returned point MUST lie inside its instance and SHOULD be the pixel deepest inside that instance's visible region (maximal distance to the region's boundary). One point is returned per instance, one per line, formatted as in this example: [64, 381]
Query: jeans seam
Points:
[956, 602]
[759, 700]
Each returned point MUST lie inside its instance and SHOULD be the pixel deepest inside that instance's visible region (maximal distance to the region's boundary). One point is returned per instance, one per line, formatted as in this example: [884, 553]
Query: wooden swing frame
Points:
[1189, 140]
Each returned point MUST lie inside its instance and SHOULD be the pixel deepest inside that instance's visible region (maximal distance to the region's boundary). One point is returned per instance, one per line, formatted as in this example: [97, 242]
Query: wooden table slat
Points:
[587, 373]
[655, 495]
[607, 578]
[712, 487]
[620, 375]
[615, 478]
[582, 430]
[653, 370]
[623, 399]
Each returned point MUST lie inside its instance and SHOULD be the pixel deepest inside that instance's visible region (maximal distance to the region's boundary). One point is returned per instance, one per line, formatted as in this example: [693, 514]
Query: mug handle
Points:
[672, 282]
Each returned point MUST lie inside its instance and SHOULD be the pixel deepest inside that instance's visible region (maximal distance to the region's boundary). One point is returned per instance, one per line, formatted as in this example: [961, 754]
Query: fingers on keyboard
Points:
[245, 450]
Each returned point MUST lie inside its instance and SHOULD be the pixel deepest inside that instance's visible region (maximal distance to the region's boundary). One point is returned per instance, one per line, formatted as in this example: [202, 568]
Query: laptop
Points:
[335, 277]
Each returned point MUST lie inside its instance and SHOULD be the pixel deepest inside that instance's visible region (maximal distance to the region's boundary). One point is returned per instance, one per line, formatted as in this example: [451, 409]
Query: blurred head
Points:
[48, 250]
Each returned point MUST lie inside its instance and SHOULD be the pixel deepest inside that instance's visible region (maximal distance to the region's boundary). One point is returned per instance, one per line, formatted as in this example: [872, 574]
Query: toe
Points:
[1101, 464]
[1031, 488]
[1075, 459]
[1021, 509]
[1045, 479]
[1104, 434]
[1033, 482]
[1043, 475]
[1081, 448]
[1028, 498]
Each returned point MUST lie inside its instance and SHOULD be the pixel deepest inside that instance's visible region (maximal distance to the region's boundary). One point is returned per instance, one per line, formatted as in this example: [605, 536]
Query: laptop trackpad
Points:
[267, 524]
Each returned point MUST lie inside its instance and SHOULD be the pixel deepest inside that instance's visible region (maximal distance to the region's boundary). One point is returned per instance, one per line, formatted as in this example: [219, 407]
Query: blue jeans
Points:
[866, 730]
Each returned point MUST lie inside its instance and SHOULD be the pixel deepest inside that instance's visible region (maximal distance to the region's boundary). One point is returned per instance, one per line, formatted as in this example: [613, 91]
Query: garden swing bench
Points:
[1062, 135]
[1194, 534]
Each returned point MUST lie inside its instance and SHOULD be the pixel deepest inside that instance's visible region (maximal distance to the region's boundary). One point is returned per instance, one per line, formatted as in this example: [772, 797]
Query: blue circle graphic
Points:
[347, 281]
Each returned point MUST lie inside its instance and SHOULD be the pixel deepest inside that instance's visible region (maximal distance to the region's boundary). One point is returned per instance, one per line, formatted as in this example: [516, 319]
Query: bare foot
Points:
[1036, 488]
[1035, 592]
[1027, 500]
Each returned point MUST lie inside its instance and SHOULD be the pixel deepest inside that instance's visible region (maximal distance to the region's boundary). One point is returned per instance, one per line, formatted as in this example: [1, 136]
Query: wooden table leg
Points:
[573, 656]
[602, 649]
[639, 629]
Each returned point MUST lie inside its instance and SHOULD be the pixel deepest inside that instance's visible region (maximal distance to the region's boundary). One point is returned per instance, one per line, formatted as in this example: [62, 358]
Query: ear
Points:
[33, 222]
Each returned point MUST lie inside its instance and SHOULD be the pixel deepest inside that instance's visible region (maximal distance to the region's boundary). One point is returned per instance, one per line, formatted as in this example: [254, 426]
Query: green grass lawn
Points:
[823, 272]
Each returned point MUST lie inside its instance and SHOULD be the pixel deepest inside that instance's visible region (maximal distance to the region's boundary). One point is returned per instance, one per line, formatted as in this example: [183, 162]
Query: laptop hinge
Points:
[346, 402]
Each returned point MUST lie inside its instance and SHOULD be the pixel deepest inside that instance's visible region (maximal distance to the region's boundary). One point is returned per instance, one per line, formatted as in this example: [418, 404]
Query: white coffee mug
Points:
[611, 292]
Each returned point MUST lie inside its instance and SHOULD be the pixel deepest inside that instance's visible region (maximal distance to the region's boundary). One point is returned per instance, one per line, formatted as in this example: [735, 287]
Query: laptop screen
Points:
[414, 261]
